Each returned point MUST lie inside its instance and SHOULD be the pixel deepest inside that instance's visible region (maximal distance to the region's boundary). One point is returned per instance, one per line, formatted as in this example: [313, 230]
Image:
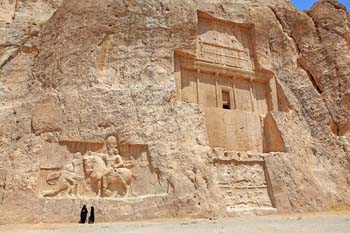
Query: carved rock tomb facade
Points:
[237, 95]
[173, 109]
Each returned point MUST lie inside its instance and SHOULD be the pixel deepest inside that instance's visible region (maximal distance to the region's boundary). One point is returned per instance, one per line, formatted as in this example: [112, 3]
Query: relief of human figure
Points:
[66, 181]
[114, 163]
[107, 174]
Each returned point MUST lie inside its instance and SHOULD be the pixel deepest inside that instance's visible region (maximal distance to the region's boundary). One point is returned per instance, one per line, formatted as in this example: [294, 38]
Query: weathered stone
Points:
[182, 108]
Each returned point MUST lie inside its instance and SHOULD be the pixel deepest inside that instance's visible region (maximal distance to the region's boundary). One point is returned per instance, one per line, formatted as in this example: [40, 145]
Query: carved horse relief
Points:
[97, 170]
[106, 181]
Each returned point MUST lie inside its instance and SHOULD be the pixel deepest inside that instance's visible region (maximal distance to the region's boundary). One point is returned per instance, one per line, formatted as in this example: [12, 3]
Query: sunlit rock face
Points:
[149, 109]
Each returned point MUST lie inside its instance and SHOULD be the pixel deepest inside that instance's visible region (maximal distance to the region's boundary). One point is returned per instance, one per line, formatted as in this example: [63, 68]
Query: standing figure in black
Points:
[83, 215]
[92, 215]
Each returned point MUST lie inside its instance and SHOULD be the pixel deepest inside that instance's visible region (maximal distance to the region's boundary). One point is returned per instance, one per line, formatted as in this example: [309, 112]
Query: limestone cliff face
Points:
[77, 75]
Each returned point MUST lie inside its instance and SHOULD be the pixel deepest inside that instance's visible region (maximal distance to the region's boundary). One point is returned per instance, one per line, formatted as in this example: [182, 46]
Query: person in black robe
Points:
[92, 215]
[83, 215]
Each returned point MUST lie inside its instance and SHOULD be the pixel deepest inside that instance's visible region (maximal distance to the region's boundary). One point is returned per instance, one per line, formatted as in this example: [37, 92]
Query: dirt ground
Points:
[306, 223]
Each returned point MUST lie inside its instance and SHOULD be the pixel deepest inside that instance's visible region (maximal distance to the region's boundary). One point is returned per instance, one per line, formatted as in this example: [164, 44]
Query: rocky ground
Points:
[320, 223]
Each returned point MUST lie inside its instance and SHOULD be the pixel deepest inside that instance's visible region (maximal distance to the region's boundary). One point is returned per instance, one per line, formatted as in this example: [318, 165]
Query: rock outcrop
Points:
[159, 108]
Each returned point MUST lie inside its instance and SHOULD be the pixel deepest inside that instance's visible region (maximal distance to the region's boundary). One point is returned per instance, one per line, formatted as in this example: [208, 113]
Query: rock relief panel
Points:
[242, 181]
[98, 170]
[223, 43]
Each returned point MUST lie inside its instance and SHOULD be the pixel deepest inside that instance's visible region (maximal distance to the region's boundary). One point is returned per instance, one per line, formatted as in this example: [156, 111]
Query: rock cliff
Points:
[160, 108]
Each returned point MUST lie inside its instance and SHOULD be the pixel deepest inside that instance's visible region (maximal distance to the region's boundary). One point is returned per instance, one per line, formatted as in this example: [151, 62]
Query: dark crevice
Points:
[311, 77]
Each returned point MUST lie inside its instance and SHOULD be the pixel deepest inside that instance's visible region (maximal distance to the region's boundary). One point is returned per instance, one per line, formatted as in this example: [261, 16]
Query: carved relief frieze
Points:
[242, 180]
[90, 170]
[223, 55]
[224, 43]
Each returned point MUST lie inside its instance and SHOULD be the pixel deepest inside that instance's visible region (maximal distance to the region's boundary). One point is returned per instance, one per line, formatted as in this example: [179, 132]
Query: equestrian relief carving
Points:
[103, 173]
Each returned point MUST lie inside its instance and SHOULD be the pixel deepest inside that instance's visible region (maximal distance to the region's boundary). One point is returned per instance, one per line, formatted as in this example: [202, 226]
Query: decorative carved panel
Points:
[242, 181]
[224, 43]
[95, 169]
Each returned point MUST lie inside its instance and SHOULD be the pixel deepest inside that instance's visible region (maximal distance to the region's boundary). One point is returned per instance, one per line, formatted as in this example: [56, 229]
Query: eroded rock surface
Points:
[180, 108]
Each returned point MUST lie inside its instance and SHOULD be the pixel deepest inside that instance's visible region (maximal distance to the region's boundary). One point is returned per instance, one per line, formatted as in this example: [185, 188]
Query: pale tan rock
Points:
[184, 108]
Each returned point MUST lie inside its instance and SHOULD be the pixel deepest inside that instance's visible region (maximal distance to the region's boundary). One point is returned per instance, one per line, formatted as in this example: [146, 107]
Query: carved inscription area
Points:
[111, 172]
[224, 55]
[224, 43]
[243, 184]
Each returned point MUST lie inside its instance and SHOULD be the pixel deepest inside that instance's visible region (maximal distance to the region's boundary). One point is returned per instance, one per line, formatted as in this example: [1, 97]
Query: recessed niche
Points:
[226, 103]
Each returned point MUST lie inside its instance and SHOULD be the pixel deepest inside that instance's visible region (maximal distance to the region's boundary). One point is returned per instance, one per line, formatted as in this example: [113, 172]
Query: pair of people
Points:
[83, 215]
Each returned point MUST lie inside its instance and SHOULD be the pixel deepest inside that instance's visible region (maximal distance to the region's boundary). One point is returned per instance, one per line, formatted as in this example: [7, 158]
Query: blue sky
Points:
[307, 4]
